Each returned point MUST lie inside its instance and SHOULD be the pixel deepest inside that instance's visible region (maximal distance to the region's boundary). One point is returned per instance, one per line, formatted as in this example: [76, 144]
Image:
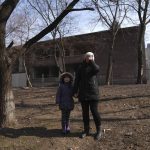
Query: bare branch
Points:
[39, 11]
[139, 11]
[147, 22]
[7, 6]
[82, 9]
[51, 26]
[145, 10]
[10, 45]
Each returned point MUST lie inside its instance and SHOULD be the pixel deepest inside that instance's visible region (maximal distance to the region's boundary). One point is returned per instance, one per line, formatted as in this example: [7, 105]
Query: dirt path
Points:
[125, 112]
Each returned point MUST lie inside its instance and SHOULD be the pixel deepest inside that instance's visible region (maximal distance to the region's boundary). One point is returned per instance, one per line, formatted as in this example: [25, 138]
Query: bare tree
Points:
[48, 11]
[142, 8]
[19, 28]
[8, 56]
[111, 14]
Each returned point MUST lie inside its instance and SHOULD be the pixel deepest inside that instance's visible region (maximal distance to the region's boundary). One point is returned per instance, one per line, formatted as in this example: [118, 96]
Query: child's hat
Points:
[68, 74]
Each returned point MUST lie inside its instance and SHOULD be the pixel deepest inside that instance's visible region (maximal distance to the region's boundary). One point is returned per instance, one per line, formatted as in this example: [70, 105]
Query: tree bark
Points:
[6, 8]
[140, 54]
[7, 106]
[26, 72]
[110, 58]
[109, 69]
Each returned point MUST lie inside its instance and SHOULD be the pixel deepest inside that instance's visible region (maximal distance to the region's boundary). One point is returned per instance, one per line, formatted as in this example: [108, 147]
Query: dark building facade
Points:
[42, 68]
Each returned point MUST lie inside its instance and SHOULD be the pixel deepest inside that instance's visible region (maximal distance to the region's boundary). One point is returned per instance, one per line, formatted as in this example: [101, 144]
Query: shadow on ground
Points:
[34, 131]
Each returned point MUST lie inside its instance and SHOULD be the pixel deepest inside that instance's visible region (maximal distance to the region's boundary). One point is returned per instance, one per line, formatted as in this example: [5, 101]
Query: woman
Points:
[87, 90]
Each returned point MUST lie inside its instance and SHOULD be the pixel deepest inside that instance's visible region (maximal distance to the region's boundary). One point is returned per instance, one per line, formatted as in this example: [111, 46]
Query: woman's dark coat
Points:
[86, 83]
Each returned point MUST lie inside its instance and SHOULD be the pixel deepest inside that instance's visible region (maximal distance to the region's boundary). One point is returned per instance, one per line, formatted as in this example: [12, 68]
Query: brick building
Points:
[42, 68]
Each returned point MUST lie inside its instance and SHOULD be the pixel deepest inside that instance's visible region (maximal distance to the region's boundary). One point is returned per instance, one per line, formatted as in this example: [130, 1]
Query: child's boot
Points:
[68, 130]
[64, 128]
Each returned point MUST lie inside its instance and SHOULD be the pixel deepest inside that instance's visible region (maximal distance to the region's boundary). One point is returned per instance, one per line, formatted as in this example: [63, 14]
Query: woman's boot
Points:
[85, 132]
[98, 133]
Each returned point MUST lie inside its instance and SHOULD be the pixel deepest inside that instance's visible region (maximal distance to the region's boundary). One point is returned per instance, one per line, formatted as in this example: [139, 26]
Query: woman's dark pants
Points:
[93, 106]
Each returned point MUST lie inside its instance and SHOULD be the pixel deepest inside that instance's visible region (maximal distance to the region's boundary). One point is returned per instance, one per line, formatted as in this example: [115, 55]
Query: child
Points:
[65, 100]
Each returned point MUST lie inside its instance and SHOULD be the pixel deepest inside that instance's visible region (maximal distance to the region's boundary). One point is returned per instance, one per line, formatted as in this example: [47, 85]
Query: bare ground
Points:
[125, 113]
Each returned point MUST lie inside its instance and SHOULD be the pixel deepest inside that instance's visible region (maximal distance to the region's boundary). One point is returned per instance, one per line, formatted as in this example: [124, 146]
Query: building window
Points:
[57, 53]
[51, 52]
[77, 52]
[41, 72]
[54, 71]
[67, 53]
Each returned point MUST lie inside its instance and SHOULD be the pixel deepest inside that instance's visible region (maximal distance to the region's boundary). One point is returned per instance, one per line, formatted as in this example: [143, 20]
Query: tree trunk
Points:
[62, 54]
[7, 107]
[110, 58]
[109, 69]
[140, 54]
[26, 72]
[56, 47]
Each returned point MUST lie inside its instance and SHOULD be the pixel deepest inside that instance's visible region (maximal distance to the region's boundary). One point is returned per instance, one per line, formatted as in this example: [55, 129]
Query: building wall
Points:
[124, 62]
[19, 80]
[125, 52]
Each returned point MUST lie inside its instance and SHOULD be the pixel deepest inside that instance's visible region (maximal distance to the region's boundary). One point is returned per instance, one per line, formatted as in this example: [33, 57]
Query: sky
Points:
[85, 23]
[86, 26]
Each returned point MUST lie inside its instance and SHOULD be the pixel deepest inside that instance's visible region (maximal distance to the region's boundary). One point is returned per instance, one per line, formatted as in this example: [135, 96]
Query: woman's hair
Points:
[88, 54]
